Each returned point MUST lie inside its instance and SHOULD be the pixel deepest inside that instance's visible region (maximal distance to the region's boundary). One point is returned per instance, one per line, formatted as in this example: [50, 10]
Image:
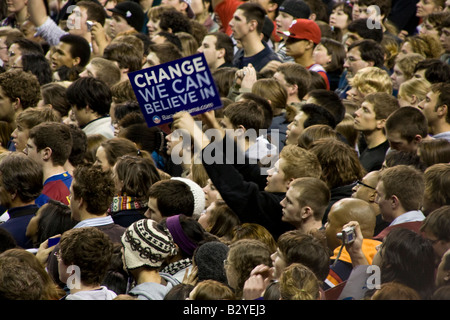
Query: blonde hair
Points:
[414, 86]
[188, 43]
[271, 90]
[408, 62]
[298, 282]
[372, 79]
[426, 45]
[299, 162]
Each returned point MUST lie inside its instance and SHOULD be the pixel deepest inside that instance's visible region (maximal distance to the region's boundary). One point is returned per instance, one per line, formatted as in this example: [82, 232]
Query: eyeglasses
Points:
[365, 185]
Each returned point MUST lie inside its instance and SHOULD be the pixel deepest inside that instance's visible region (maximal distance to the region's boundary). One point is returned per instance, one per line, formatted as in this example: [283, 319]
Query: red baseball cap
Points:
[304, 29]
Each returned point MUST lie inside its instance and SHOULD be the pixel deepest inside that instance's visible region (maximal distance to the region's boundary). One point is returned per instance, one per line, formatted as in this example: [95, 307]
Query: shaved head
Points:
[346, 210]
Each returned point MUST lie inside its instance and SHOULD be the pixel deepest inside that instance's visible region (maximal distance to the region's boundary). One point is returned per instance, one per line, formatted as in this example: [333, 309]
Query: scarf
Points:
[121, 203]
[174, 267]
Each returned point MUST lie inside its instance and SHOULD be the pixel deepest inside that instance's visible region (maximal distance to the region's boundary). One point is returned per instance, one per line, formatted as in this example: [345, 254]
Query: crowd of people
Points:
[330, 152]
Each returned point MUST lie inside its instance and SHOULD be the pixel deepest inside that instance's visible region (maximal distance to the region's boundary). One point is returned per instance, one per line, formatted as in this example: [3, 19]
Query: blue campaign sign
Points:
[185, 84]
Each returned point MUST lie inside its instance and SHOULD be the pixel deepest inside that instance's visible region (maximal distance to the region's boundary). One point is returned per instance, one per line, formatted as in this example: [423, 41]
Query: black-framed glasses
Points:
[365, 185]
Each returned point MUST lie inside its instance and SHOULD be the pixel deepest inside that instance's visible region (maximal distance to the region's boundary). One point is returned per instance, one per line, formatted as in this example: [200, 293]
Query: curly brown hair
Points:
[88, 248]
[94, 186]
[244, 255]
[18, 84]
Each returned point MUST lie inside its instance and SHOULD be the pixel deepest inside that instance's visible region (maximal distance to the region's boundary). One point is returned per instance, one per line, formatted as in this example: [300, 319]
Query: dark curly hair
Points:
[175, 20]
[94, 186]
[88, 248]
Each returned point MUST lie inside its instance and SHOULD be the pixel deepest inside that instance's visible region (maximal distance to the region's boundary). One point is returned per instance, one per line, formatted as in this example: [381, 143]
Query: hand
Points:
[184, 121]
[256, 284]
[271, 66]
[249, 77]
[191, 278]
[254, 287]
[99, 39]
[402, 35]
[44, 251]
[355, 248]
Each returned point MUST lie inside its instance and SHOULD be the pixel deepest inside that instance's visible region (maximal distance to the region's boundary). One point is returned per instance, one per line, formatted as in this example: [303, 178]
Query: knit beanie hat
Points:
[209, 259]
[131, 12]
[198, 193]
[145, 244]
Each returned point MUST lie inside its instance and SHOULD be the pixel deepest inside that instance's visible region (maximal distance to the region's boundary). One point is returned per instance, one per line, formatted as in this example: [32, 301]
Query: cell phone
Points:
[89, 25]
[53, 241]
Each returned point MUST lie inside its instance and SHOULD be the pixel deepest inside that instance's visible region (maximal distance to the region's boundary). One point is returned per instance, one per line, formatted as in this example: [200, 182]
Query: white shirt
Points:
[410, 216]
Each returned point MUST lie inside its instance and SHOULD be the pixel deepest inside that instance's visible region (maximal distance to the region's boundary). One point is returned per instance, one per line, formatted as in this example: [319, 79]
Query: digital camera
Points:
[347, 235]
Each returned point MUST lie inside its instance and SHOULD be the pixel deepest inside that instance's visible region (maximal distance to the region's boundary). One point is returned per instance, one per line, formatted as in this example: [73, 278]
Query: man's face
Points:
[296, 48]
[279, 263]
[73, 204]
[89, 71]
[276, 179]
[442, 275]
[117, 25]
[282, 80]
[352, 37]
[365, 118]
[295, 128]
[428, 106]
[239, 25]
[76, 21]
[62, 57]
[291, 207]
[333, 226]
[32, 151]
[383, 203]
[284, 21]
[208, 47]
[6, 107]
[396, 142]
[4, 50]
[177, 4]
[445, 39]
[366, 189]
[20, 137]
[354, 62]
[153, 211]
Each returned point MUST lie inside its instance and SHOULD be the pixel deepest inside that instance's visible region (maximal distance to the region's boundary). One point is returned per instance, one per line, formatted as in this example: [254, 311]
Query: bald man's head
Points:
[346, 210]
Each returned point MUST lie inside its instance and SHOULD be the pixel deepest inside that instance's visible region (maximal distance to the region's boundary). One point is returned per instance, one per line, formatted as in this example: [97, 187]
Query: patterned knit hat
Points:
[145, 244]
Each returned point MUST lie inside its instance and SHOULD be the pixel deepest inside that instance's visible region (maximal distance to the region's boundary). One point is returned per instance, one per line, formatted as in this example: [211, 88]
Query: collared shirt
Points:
[410, 216]
[94, 222]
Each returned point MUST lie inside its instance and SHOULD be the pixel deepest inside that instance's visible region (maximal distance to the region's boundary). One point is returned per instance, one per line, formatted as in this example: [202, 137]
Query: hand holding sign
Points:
[181, 85]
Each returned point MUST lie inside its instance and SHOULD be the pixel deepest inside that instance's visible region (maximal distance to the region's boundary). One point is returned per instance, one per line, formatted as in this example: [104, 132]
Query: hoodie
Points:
[152, 290]
[100, 294]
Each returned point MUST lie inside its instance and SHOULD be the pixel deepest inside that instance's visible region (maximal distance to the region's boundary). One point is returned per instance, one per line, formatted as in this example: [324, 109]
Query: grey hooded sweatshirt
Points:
[152, 290]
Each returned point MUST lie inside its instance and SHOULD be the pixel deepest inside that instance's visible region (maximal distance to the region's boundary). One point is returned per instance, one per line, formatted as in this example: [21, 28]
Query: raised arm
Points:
[38, 12]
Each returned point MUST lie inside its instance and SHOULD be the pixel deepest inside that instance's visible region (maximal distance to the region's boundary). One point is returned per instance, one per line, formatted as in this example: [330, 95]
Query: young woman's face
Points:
[425, 7]
[339, 19]
[321, 55]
